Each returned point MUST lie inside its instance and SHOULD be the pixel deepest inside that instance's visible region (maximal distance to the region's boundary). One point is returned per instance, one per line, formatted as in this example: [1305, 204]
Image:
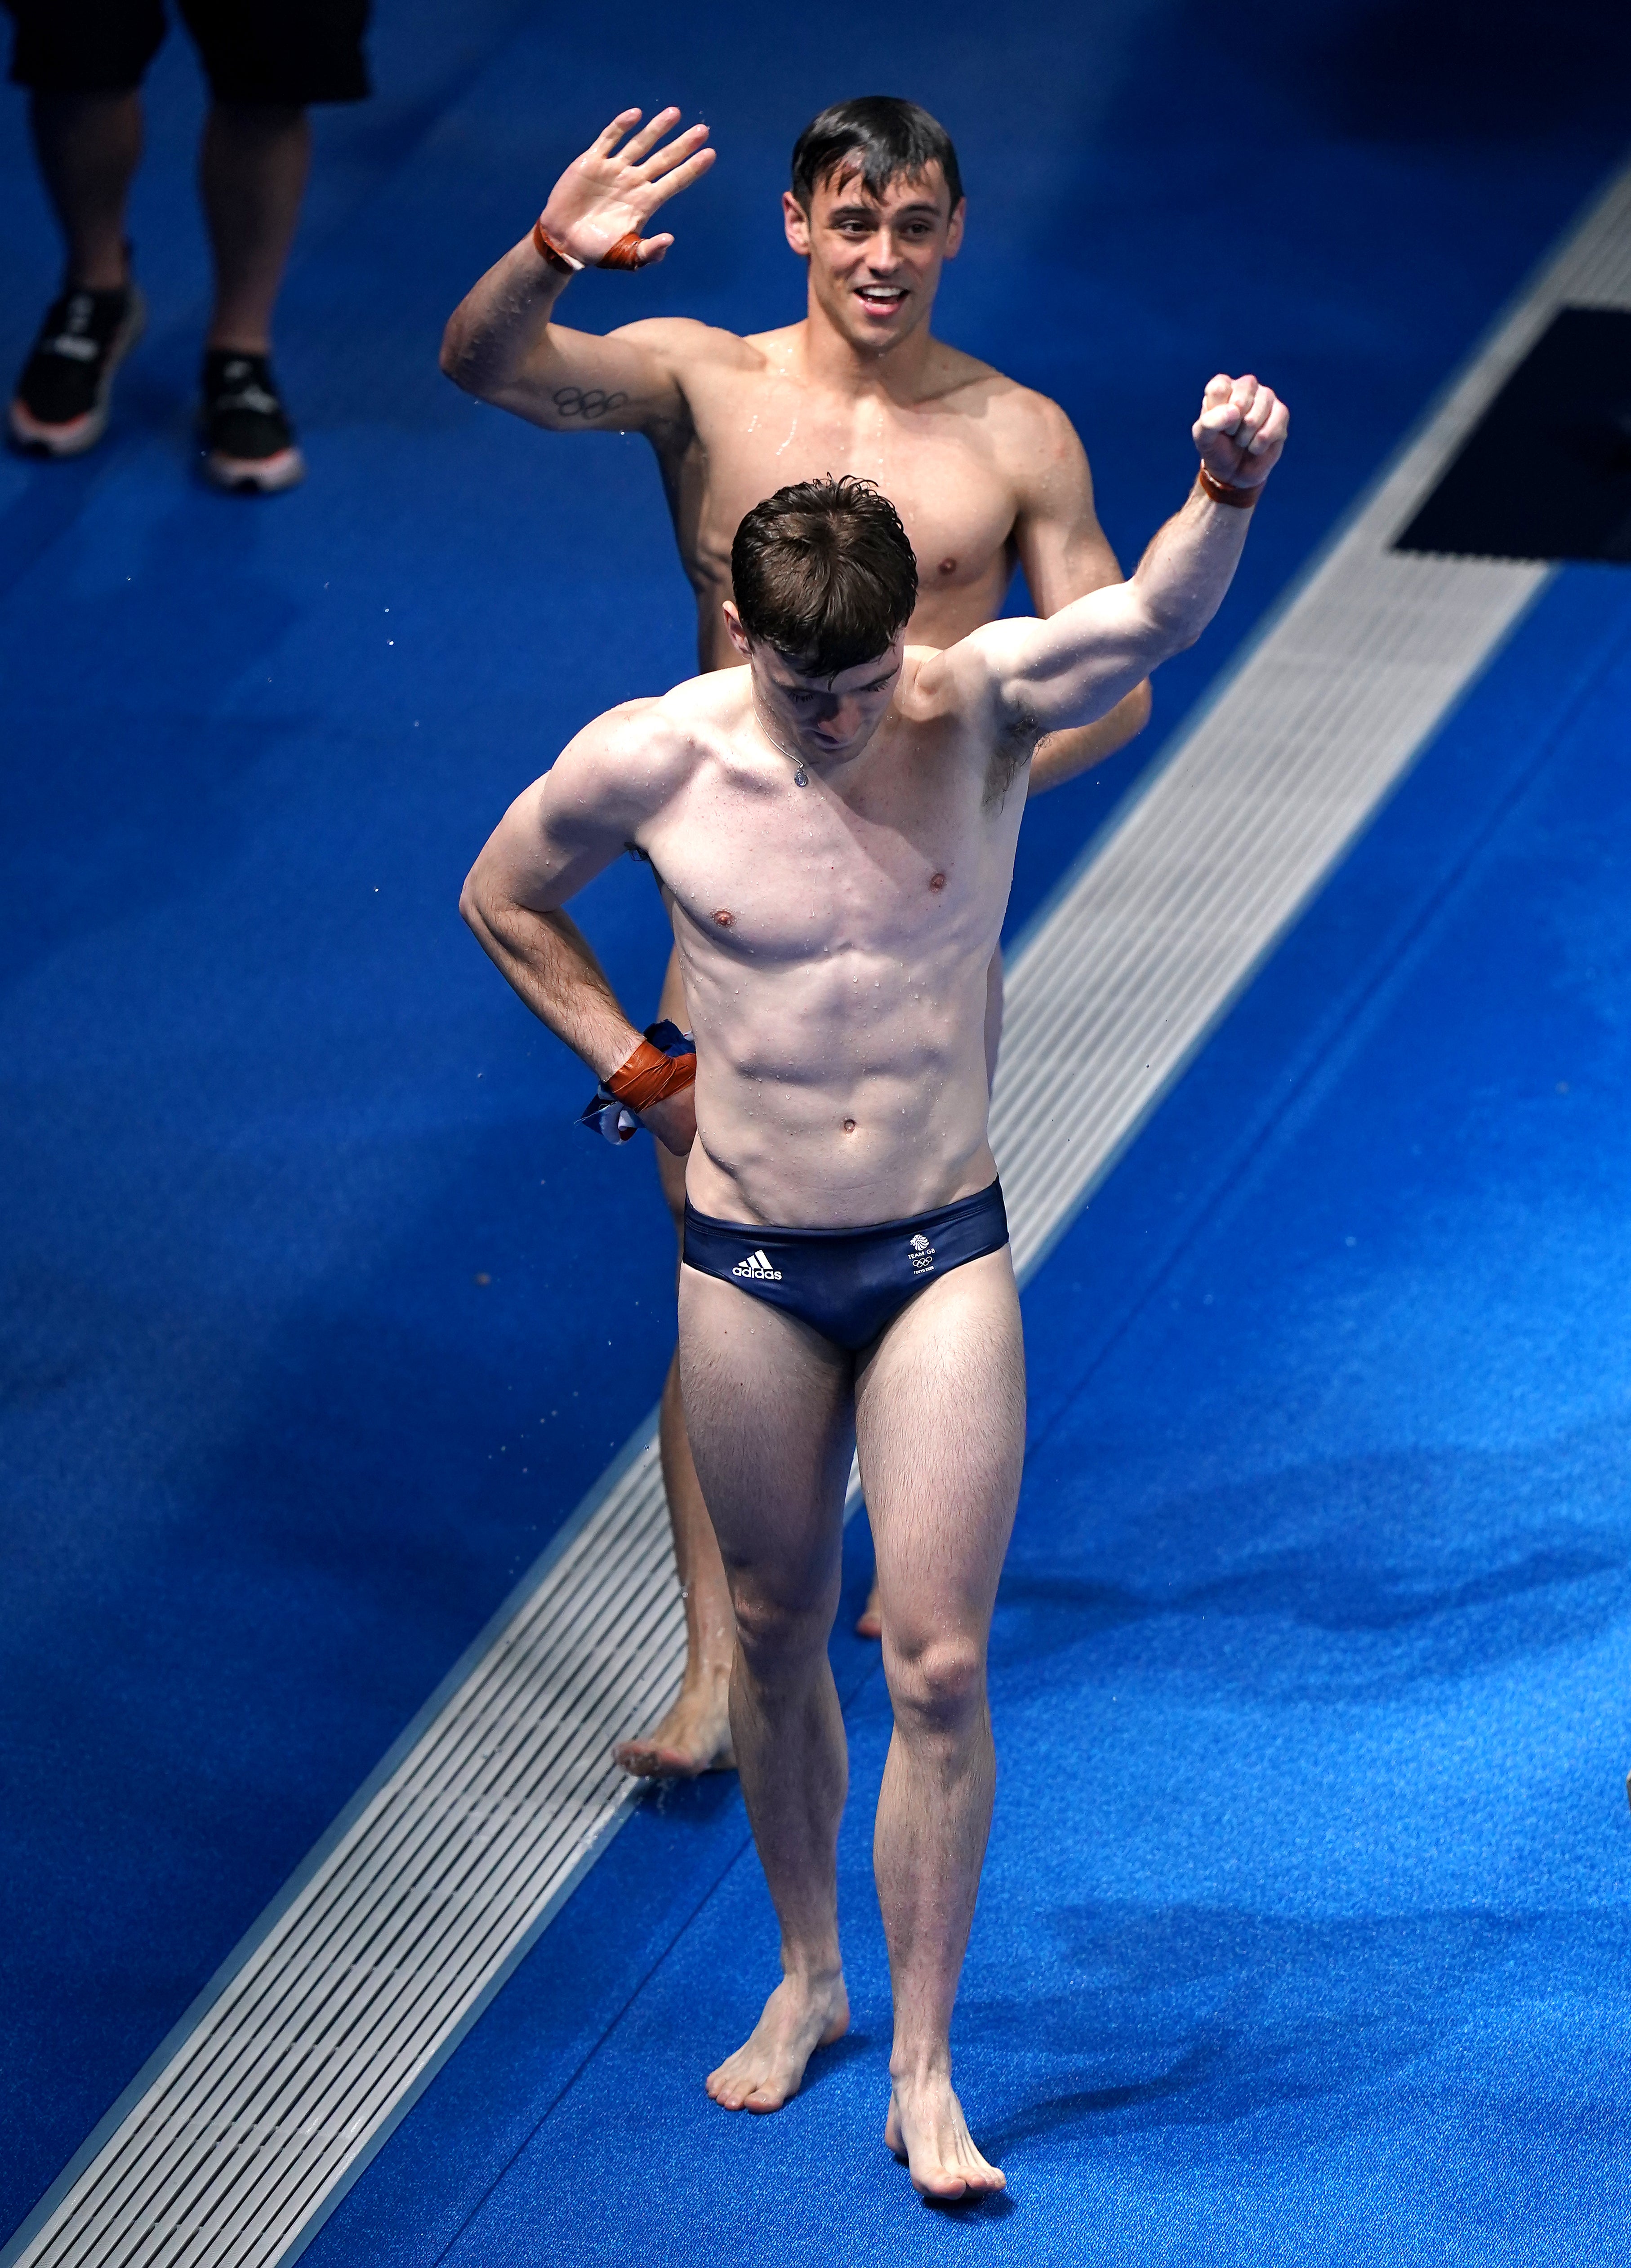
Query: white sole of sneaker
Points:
[255, 475]
[35, 439]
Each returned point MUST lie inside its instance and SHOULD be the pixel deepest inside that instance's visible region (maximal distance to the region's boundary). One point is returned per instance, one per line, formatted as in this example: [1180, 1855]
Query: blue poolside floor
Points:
[1301, 1936]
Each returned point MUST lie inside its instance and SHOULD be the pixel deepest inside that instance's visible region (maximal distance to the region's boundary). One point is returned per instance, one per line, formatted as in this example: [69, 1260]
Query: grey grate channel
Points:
[248, 2124]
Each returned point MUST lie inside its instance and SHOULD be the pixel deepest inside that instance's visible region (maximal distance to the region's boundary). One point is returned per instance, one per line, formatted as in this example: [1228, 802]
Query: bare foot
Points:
[768, 2069]
[694, 1737]
[869, 1622]
[926, 2129]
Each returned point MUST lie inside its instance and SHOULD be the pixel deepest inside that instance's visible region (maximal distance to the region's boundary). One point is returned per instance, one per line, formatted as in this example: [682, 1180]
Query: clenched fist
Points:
[1241, 430]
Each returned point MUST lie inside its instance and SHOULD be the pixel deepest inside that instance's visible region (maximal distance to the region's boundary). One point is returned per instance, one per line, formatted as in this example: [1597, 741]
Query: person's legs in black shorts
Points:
[83, 61]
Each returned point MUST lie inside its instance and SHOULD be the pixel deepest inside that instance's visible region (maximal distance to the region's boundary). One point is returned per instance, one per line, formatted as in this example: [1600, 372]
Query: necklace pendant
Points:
[800, 778]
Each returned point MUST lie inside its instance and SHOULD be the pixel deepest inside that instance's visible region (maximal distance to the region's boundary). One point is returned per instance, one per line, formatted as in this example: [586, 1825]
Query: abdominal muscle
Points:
[848, 1094]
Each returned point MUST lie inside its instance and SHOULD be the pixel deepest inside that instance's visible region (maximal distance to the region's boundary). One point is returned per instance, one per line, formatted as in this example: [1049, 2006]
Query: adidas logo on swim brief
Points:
[922, 1255]
[757, 1269]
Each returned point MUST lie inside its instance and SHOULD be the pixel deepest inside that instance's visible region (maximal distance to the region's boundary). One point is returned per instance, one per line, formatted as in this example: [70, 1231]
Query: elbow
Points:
[452, 356]
[1170, 635]
[471, 904]
[458, 358]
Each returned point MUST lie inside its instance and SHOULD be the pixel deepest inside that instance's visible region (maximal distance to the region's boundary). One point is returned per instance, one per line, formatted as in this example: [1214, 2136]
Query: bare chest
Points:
[767, 875]
[757, 434]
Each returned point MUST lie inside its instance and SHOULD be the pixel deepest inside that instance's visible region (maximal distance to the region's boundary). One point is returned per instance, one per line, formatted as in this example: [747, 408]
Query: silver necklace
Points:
[800, 777]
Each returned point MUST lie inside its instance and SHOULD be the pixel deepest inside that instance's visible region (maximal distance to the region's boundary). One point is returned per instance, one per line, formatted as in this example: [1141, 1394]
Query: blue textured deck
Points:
[1303, 1934]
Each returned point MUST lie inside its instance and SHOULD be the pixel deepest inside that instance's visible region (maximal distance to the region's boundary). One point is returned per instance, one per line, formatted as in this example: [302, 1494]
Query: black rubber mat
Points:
[1546, 474]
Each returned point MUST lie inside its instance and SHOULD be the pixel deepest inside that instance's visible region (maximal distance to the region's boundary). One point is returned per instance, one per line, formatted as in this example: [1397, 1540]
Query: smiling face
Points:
[826, 720]
[874, 261]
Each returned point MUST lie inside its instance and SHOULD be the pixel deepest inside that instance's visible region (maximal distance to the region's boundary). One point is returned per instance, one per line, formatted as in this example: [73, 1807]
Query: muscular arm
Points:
[553, 840]
[1078, 663]
[1064, 553]
[501, 343]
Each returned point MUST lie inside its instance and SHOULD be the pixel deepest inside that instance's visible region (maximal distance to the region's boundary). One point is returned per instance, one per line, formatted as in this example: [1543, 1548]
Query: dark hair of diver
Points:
[887, 137]
[824, 572]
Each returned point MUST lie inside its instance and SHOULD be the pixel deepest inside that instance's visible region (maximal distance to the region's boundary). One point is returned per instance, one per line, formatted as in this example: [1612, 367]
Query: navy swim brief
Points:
[846, 1283]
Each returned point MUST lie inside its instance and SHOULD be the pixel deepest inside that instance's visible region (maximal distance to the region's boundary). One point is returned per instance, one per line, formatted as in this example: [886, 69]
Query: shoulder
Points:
[1029, 435]
[627, 762]
[1020, 416]
[1032, 435]
[927, 692]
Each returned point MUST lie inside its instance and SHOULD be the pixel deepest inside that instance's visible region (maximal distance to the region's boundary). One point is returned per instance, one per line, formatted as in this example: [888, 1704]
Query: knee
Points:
[780, 1634]
[938, 1686]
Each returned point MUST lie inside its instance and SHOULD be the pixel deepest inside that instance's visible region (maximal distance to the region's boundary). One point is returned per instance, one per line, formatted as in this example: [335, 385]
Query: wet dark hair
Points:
[824, 572]
[889, 137]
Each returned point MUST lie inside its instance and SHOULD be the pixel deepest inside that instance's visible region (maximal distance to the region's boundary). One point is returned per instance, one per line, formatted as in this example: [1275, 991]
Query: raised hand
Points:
[1241, 430]
[608, 195]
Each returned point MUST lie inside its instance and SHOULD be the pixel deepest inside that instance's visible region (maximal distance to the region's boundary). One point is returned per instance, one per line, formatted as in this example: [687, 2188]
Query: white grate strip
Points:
[230, 2147]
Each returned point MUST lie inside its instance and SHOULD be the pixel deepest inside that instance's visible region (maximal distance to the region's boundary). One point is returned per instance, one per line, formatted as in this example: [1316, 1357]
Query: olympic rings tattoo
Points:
[575, 402]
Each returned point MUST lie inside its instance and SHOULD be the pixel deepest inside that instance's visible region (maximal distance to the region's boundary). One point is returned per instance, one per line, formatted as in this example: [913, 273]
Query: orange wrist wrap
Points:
[550, 252]
[649, 1075]
[1220, 492]
[624, 254]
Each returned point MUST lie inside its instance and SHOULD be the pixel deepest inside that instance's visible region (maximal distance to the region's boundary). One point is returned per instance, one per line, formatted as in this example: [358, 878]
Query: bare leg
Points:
[941, 1415]
[252, 173]
[869, 1622]
[695, 1736]
[769, 1405]
[88, 147]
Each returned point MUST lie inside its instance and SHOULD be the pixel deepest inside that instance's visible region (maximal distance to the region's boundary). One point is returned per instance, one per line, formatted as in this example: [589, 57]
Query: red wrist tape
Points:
[624, 254]
[649, 1075]
[550, 253]
[1220, 491]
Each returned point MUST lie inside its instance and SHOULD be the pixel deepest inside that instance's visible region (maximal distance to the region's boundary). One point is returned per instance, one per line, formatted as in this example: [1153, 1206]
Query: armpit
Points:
[645, 858]
[1015, 744]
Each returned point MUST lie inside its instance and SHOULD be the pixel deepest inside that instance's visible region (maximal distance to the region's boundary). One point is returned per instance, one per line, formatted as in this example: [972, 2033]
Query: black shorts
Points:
[282, 51]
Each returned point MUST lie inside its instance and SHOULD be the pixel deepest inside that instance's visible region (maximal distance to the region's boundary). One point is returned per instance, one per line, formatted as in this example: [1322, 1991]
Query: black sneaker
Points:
[60, 408]
[248, 443]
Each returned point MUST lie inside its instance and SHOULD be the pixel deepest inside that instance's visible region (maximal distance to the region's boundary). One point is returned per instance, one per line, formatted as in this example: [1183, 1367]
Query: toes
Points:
[645, 1762]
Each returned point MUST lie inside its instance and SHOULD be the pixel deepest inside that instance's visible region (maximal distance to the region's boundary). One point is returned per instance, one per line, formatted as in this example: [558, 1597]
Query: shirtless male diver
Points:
[834, 826]
[983, 471]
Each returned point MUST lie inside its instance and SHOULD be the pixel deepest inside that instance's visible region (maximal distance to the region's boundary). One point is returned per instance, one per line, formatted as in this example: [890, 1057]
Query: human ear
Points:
[733, 623]
[796, 221]
[954, 228]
